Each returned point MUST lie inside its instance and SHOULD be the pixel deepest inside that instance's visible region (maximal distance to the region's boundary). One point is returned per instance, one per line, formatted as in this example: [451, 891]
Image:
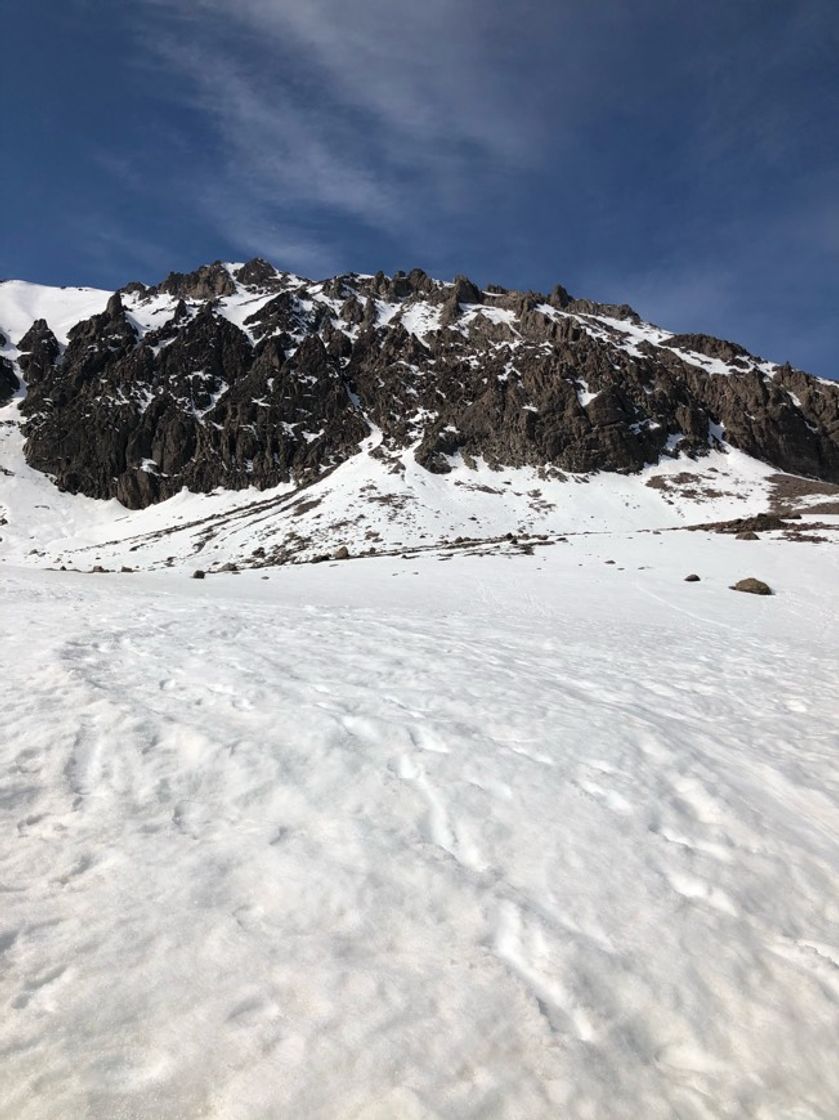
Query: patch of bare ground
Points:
[787, 490]
[748, 528]
[303, 507]
[685, 485]
[760, 523]
[478, 486]
[824, 508]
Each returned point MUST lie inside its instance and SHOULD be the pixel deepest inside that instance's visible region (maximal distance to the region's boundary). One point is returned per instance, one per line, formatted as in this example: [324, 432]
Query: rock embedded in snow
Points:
[692, 578]
[752, 586]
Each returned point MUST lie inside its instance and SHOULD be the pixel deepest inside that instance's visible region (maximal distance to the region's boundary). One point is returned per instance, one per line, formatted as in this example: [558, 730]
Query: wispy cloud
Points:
[383, 113]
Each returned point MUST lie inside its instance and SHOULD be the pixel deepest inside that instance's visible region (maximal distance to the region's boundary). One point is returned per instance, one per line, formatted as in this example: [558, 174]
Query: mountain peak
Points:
[240, 375]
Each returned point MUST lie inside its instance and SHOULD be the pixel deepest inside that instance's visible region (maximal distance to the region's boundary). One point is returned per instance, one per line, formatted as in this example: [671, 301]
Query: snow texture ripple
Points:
[508, 838]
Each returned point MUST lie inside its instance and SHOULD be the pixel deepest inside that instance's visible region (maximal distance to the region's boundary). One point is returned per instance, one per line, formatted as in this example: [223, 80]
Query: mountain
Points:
[389, 400]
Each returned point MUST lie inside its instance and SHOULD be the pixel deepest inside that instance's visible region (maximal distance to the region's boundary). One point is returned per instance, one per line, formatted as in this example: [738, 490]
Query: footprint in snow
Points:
[697, 890]
[608, 797]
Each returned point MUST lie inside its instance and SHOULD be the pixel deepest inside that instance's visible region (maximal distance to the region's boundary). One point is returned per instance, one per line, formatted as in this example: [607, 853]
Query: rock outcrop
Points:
[9, 382]
[236, 376]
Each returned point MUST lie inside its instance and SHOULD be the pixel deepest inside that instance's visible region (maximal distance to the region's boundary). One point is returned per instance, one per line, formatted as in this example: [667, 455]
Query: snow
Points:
[497, 315]
[632, 333]
[22, 303]
[238, 307]
[584, 394]
[533, 836]
[386, 311]
[146, 312]
[710, 365]
[420, 318]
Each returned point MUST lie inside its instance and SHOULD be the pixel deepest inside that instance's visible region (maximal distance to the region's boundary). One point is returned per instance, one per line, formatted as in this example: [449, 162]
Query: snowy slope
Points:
[21, 303]
[502, 837]
[363, 505]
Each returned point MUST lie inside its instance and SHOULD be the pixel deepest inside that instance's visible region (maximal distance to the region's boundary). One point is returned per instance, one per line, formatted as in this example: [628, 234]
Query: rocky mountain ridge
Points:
[241, 375]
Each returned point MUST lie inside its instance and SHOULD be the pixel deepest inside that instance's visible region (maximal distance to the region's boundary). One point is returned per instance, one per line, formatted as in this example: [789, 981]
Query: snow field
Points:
[508, 837]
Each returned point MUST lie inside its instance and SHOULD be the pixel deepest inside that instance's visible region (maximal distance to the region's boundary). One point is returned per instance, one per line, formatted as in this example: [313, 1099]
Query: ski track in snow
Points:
[272, 850]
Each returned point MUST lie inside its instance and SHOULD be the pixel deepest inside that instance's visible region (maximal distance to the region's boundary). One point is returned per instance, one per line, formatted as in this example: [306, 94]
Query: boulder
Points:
[752, 586]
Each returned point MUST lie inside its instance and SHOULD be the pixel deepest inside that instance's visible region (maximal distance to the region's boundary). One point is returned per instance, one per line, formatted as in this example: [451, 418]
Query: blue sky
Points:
[683, 158]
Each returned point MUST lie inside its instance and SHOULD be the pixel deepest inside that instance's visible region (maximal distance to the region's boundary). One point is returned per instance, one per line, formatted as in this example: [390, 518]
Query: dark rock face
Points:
[9, 382]
[40, 349]
[258, 274]
[447, 371]
[710, 347]
[207, 282]
[209, 409]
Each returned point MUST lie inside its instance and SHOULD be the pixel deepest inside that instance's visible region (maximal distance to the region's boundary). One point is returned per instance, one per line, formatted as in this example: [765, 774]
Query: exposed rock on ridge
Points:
[242, 375]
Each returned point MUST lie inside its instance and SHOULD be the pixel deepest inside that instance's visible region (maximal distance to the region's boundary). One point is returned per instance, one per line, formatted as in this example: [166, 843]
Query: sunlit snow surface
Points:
[522, 837]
